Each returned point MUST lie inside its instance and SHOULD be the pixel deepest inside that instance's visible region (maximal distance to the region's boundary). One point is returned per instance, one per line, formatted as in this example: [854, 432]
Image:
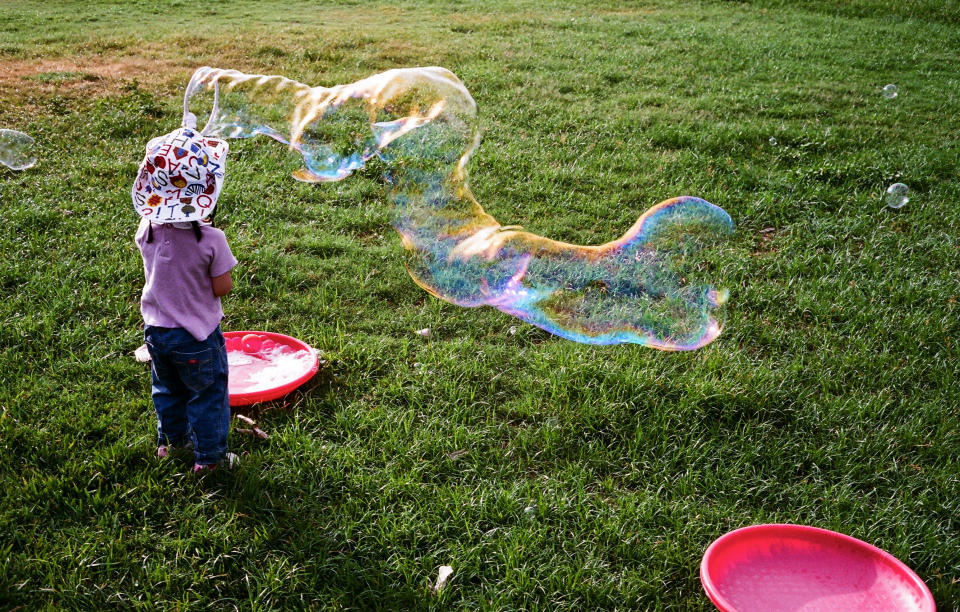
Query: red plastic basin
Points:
[266, 366]
[776, 568]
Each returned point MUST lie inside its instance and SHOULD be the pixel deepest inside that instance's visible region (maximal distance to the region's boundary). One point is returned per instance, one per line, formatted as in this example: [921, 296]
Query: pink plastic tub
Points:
[265, 366]
[780, 568]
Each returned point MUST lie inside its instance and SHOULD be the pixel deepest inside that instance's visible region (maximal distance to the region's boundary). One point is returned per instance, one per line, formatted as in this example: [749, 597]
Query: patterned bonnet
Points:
[180, 177]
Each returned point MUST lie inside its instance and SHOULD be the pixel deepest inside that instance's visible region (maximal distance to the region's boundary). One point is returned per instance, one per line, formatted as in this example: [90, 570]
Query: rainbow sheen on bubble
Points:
[648, 287]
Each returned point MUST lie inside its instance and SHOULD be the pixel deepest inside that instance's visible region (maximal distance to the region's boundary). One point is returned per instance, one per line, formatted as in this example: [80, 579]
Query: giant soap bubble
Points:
[648, 287]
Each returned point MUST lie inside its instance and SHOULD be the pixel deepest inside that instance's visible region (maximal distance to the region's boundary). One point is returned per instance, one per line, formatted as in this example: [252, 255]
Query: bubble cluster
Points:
[897, 195]
[16, 150]
[648, 287]
[890, 91]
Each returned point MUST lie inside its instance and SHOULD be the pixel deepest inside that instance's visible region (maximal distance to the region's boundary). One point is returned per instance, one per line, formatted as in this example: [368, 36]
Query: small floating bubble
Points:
[16, 150]
[897, 195]
[773, 141]
[890, 91]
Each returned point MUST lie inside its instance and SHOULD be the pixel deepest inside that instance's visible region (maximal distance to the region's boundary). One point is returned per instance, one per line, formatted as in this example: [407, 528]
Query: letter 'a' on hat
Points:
[180, 178]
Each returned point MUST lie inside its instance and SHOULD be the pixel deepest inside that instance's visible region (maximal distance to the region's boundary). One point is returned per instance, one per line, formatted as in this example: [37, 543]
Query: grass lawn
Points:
[831, 398]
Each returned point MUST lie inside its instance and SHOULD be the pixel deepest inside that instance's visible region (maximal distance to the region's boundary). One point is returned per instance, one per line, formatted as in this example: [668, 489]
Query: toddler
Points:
[187, 265]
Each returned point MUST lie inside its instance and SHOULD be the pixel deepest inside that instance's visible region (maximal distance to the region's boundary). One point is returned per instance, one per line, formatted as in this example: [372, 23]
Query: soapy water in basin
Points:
[267, 368]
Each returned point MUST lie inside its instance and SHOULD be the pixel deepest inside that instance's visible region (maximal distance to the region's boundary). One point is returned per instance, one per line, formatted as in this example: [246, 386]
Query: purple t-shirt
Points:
[178, 291]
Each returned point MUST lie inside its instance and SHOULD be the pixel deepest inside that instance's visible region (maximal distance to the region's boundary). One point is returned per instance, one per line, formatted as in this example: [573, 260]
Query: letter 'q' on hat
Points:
[180, 177]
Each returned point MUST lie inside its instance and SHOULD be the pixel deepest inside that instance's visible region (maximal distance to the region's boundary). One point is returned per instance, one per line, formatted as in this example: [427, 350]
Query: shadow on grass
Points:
[304, 517]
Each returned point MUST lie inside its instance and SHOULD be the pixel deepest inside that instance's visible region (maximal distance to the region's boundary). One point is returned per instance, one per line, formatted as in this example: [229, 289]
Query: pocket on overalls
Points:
[196, 368]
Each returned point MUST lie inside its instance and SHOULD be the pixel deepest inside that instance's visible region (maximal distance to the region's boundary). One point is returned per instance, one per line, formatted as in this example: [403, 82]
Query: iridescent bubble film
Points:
[649, 287]
[16, 150]
[890, 91]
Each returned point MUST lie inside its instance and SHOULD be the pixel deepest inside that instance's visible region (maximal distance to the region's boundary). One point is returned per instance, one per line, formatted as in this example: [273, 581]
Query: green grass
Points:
[60, 77]
[831, 398]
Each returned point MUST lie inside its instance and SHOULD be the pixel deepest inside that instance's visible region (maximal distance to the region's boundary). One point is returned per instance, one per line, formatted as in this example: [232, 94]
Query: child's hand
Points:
[222, 284]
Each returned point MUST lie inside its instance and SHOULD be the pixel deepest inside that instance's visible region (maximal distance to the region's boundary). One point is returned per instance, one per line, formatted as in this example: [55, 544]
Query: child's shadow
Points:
[303, 504]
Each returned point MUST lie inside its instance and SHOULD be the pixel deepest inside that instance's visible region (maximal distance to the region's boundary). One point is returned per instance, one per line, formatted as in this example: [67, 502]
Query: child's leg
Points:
[169, 394]
[208, 408]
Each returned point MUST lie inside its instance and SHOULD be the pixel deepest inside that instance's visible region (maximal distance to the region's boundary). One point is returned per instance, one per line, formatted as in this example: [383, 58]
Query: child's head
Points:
[180, 177]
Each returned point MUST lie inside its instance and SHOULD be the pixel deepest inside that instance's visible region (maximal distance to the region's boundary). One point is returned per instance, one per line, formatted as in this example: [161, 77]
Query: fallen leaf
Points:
[142, 354]
[445, 572]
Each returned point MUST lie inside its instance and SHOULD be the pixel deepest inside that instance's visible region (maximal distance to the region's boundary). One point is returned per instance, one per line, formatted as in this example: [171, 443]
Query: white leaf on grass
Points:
[445, 572]
[423, 333]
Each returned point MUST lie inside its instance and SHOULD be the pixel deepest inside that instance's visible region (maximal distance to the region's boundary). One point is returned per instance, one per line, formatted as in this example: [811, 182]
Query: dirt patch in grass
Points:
[96, 76]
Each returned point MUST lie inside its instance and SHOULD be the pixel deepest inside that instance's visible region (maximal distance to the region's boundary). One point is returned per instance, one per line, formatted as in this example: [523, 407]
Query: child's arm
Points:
[221, 262]
[222, 284]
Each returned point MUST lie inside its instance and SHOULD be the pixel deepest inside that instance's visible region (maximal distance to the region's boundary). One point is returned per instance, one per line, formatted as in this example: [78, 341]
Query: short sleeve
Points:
[222, 260]
[139, 237]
